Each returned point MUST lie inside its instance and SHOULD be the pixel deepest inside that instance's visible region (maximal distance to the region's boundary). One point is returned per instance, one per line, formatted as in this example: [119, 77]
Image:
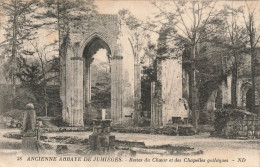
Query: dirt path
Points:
[202, 141]
[210, 145]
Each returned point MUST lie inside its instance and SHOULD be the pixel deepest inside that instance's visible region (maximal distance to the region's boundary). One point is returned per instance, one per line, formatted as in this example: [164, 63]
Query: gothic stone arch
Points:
[244, 89]
[101, 31]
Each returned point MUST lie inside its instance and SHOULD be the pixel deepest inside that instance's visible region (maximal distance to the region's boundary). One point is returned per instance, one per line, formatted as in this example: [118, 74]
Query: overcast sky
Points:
[141, 9]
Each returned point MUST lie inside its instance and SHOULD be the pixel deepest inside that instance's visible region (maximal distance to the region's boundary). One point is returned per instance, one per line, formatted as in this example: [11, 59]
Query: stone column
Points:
[116, 89]
[239, 96]
[153, 117]
[158, 96]
[87, 83]
[69, 73]
[169, 91]
[137, 91]
[224, 93]
[29, 140]
[229, 94]
[63, 85]
[77, 100]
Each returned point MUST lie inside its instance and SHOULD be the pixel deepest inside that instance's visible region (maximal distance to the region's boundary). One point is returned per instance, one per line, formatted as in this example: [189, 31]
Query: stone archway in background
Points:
[244, 89]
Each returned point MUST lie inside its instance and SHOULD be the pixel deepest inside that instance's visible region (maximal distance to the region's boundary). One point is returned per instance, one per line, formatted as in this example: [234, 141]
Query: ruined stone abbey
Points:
[107, 32]
[169, 94]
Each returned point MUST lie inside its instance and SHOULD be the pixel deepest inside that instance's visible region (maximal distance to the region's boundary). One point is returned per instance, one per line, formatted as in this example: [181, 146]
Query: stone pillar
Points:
[224, 93]
[116, 89]
[63, 85]
[169, 102]
[229, 94]
[172, 90]
[29, 140]
[137, 91]
[87, 83]
[153, 116]
[77, 100]
[100, 140]
[239, 96]
[157, 113]
[69, 73]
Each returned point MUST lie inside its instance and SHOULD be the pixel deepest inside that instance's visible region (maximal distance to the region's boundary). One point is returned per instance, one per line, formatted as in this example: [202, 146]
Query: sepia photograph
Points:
[130, 83]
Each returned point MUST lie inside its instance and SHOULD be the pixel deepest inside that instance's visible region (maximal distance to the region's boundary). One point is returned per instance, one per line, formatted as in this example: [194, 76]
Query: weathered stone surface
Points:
[29, 123]
[62, 149]
[234, 123]
[101, 141]
[29, 145]
[101, 31]
[29, 140]
[168, 99]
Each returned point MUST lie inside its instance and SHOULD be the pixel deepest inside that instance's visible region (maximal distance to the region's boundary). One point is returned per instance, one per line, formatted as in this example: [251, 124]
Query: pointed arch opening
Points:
[97, 75]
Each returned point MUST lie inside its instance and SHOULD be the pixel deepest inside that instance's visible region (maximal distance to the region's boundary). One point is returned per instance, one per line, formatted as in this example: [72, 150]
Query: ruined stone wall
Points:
[172, 90]
[128, 73]
[245, 126]
[170, 95]
[105, 25]
[244, 83]
[109, 29]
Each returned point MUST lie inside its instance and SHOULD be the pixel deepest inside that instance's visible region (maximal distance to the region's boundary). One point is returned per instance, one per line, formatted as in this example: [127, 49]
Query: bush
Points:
[14, 100]
[186, 130]
[58, 121]
[222, 116]
[221, 119]
[15, 114]
[206, 117]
